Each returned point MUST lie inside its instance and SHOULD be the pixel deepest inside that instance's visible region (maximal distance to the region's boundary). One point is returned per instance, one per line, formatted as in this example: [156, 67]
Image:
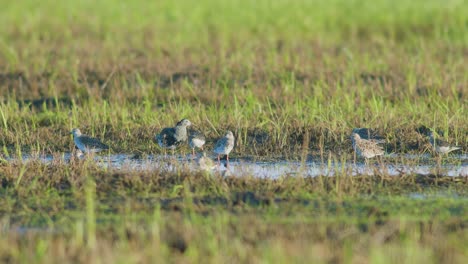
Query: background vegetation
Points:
[122, 71]
[283, 75]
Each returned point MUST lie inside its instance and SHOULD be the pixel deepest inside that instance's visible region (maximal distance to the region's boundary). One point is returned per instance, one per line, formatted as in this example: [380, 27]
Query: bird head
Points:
[76, 132]
[229, 134]
[184, 122]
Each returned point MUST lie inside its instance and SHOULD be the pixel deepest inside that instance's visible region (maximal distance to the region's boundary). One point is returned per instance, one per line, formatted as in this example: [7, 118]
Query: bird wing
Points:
[196, 134]
[220, 145]
[371, 145]
[441, 143]
[377, 141]
[93, 142]
[167, 137]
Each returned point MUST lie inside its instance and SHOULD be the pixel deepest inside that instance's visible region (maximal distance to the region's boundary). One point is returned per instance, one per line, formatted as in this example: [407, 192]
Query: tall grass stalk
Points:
[90, 196]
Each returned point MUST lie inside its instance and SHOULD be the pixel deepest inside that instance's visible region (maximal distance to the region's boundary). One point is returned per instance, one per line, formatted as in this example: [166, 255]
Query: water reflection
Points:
[424, 165]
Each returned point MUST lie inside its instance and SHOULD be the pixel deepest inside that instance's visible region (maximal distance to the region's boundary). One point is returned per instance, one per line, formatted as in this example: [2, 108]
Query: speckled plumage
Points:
[196, 140]
[366, 148]
[87, 144]
[224, 145]
[171, 137]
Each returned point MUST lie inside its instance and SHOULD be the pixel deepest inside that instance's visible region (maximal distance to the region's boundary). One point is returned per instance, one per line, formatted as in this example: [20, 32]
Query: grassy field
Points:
[78, 212]
[289, 78]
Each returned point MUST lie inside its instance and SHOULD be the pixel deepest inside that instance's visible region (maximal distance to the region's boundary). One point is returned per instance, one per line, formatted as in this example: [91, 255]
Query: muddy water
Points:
[424, 165]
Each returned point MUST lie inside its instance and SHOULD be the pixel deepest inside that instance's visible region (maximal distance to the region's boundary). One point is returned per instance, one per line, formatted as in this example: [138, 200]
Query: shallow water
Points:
[425, 165]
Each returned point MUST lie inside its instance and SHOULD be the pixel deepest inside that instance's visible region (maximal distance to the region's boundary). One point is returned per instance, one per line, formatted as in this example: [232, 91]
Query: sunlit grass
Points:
[289, 78]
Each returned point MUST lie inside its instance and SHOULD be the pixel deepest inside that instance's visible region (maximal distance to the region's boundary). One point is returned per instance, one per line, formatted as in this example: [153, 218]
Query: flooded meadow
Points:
[345, 123]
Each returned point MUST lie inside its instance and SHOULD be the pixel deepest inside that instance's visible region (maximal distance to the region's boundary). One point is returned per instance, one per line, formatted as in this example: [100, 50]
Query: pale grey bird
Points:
[196, 140]
[224, 146]
[171, 137]
[366, 148]
[87, 144]
[440, 145]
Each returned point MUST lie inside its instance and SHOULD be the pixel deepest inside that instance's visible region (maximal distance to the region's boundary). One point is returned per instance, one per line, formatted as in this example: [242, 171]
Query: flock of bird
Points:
[168, 138]
[369, 147]
[172, 137]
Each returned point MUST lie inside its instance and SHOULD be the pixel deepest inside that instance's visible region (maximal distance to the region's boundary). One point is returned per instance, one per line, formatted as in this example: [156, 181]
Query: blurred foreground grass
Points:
[79, 212]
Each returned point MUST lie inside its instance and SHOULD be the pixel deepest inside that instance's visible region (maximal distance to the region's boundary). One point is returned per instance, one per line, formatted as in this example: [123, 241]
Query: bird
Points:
[87, 144]
[171, 137]
[196, 140]
[440, 145]
[224, 146]
[366, 148]
[368, 134]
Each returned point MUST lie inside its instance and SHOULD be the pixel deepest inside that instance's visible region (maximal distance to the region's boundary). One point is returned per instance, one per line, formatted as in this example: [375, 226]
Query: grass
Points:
[290, 79]
[62, 214]
[309, 69]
